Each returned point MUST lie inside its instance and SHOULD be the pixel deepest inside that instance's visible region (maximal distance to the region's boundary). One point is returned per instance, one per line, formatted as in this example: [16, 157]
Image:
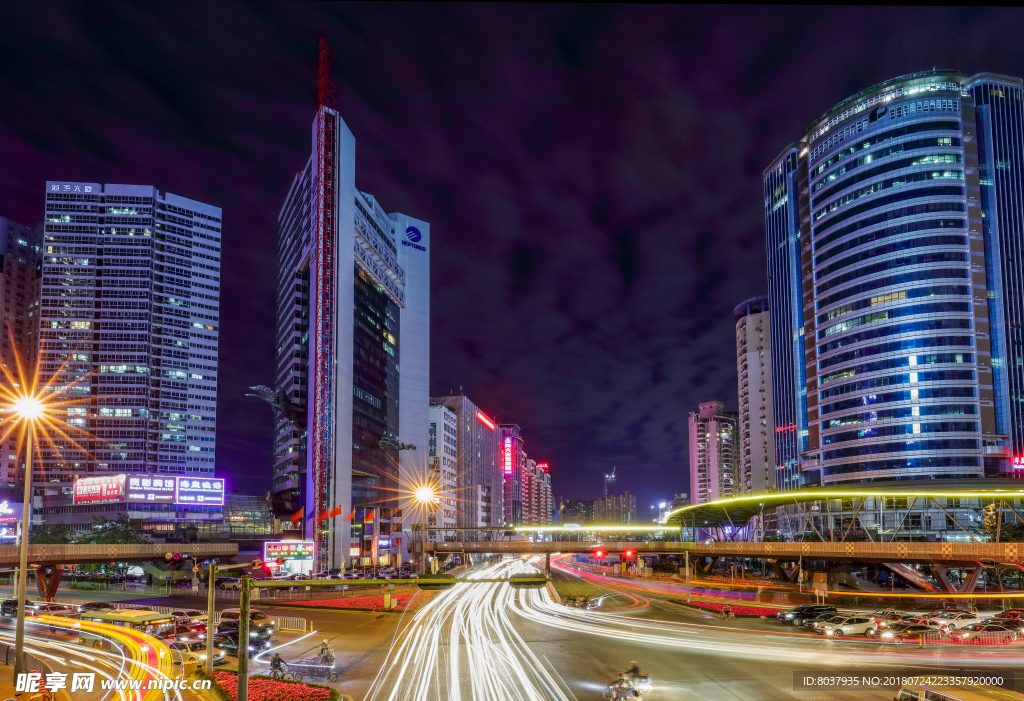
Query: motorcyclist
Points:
[324, 652]
[277, 664]
[727, 611]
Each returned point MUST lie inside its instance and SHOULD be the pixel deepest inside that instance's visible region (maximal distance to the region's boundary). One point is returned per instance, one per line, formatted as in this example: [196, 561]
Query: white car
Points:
[851, 625]
[958, 620]
[194, 615]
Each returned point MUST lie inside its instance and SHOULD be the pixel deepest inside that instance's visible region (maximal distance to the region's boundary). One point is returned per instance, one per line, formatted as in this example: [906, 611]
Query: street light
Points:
[28, 409]
[426, 496]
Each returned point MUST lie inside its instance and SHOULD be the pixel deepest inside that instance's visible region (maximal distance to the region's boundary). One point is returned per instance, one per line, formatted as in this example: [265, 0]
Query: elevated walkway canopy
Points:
[736, 511]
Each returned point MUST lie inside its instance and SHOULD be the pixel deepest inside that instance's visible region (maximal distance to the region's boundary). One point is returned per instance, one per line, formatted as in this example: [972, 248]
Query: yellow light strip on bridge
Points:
[804, 496]
[604, 529]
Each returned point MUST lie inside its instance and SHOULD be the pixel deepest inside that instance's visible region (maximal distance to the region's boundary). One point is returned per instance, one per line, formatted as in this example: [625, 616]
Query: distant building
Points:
[615, 509]
[666, 507]
[536, 494]
[756, 418]
[443, 453]
[480, 484]
[513, 465]
[577, 511]
[21, 274]
[714, 453]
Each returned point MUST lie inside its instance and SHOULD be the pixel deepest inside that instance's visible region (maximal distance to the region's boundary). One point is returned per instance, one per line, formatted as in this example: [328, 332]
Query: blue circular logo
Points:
[413, 234]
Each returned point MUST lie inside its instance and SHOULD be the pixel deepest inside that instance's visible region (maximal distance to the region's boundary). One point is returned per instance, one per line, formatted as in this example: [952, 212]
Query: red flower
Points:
[270, 690]
[369, 603]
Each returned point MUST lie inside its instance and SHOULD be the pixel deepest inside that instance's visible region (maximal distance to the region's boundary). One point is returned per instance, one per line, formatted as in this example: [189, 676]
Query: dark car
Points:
[898, 632]
[229, 643]
[257, 619]
[9, 608]
[1010, 614]
[797, 614]
[231, 628]
[94, 606]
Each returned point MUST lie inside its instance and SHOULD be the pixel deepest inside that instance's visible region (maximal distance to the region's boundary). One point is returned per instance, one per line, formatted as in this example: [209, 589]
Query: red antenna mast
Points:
[326, 267]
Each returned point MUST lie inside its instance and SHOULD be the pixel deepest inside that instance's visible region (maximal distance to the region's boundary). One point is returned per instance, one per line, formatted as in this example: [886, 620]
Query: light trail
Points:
[463, 644]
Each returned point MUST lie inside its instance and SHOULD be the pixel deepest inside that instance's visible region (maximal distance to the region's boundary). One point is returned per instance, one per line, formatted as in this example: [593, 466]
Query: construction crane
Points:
[609, 478]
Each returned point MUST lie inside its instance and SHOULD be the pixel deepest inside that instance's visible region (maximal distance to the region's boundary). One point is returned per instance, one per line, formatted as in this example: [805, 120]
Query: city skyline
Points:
[585, 400]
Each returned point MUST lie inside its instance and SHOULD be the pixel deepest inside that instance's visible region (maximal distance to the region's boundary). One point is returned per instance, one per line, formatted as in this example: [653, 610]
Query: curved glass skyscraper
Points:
[892, 231]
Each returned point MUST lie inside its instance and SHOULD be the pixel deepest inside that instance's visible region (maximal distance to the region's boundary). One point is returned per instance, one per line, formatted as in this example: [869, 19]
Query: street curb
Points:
[680, 602]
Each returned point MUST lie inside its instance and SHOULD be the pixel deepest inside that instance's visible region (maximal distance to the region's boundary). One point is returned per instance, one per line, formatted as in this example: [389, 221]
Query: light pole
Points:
[426, 496]
[28, 409]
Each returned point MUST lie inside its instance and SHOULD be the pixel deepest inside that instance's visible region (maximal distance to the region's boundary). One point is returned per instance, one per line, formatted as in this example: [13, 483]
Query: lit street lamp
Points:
[28, 409]
[427, 497]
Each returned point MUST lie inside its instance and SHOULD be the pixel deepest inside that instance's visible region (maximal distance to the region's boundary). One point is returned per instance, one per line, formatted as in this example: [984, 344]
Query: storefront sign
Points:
[288, 550]
[108, 489]
[196, 490]
[151, 490]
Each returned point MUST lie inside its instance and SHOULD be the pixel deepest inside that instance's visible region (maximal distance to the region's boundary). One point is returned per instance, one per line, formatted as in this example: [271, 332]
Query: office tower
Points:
[714, 453]
[904, 206]
[479, 478]
[536, 493]
[353, 307]
[756, 422]
[129, 322]
[20, 272]
[443, 452]
[513, 463]
[615, 509]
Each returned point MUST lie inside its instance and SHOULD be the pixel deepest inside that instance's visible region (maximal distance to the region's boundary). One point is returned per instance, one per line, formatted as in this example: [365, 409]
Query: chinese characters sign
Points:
[151, 490]
[288, 550]
[507, 455]
[108, 489]
[196, 490]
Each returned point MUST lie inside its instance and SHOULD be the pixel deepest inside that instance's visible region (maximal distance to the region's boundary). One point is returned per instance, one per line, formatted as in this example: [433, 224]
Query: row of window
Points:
[895, 329]
[910, 162]
[909, 361]
[901, 430]
[900, 396]
[904, 378]
[890, 280]
[902, 412]
[887, 314]
[906, 244]
[868, 142]
[883, 153]
[901, 447]
[898, 296]
[892, 264]
[895, 198]
[910, 227]
[904, 463]
[897, 182]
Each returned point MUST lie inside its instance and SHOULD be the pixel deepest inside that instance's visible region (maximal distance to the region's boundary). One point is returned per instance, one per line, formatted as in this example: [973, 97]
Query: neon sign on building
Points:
[1018, 462]
[508, 455]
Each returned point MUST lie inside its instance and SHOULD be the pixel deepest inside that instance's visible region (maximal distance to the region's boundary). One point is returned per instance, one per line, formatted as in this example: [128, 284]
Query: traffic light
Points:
[628, 553]
[599, 553]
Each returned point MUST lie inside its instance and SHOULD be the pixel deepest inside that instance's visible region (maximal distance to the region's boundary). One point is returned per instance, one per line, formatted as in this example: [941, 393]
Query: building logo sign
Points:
[544, 466]
[108, 489]
[288, 550]
[69, 187]
[1018, 462]
[151, 490]
[192, 490]
[413, 236]
[508, 455]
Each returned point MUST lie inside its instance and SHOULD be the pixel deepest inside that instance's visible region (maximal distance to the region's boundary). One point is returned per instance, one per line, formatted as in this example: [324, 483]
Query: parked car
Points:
[857, 624]
[899, 632]
[193, 651]
[996, 631]
[797, 613]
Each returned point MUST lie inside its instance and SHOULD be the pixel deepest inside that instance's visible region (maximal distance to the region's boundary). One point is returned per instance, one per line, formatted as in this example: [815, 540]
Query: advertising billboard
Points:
[208, 491]
[108, 489]
[288, 550]
[10, 515]
[507, 455]
[151, 490]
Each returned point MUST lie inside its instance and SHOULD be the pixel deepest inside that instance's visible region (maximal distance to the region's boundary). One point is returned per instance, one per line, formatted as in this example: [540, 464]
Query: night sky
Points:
[592, 176]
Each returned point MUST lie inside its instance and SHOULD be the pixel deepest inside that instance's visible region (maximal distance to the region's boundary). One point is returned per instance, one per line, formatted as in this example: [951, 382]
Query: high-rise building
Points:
[536, 493]
[20, 273]
[480, 482]
[129, 319]
[893, 227]
[756, 419]
[353, 307]
[714, 453]
[443, 452]
[616, 509]
[513, 465]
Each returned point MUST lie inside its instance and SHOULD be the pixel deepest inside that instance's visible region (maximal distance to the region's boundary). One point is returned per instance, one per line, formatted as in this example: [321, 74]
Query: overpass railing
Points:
[70, 554]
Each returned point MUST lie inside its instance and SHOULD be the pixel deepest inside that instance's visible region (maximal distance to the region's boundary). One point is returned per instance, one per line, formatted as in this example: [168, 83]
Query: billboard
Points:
[151, 490]
[208, 491]
[108, 489]
[10, 515]
[507, 455]
[288, 550]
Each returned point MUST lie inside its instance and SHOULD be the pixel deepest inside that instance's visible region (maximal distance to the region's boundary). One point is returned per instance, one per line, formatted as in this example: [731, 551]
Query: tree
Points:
[49, 535]
[107, 532]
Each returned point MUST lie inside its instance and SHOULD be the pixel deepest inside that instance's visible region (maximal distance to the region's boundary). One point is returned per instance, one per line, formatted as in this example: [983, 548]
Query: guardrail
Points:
[74, 554]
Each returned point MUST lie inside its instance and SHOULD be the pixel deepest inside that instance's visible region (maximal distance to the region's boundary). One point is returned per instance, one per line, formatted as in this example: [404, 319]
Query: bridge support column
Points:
[941, 574]
[547, 564]
[704, 569]
[48, 581]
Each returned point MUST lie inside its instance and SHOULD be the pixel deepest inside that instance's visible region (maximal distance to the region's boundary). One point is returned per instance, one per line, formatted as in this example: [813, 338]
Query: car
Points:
[94, 606]
[893, 617]
[44, 609]
[232, 627]
[229, 643]
[959, 619]
[972, 631]
[229, 584]
[257, 619]
[183, 633]
[821, 619]
[9, 608]
[794, 614]
[899, 632]
[193, 651]
[814, 612]
[194, 615]
[1010, 614]
[857, 624]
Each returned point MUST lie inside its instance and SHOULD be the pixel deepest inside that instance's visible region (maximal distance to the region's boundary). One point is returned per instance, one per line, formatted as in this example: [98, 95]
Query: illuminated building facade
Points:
[714, 453]
[480, 481]
[513, 465]
[443, 452]
[907, 214]
[756, 418]
[536, 493]
[616, 509]
[353, 312]
[129, 316]
[20, 274]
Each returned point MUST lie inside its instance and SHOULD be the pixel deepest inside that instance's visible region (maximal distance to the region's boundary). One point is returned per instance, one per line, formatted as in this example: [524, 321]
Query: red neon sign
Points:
[1018, 462]
[508, 455]
[544, 466]
[484, 420]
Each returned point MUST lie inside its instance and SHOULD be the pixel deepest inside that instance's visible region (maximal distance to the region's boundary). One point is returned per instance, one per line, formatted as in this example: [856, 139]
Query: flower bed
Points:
[369, 603]
[263, 688]
[751, 611]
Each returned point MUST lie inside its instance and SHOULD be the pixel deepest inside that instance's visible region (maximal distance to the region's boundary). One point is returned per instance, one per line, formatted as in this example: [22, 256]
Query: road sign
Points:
[215, 560]
[195, 569]
[820, 581]
[169, 556]
[184, 555]
[206, 563]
